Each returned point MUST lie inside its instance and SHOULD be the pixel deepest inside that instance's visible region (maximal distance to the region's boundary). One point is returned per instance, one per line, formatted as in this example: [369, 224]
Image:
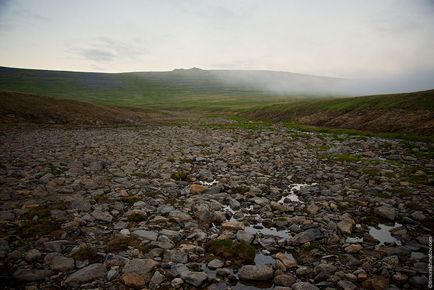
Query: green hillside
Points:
[174, 89]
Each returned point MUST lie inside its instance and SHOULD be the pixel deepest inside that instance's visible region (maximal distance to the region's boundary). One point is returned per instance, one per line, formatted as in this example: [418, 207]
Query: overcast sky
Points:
[388, 39]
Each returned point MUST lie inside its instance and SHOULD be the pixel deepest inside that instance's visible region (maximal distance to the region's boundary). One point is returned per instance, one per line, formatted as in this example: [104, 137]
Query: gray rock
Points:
[32, 255]
[216, 263]
[256, 273]
[180, 216]
[61, 263]
[102, 216]
[176, 283]
[31, 275]
[147, 235]
[156, 280]
[386, 211]
[245, 236]
[140, 266]
[347, 285]
[85, 275]
[306, 236]
[303, 286]
[194, 278]
[346, 224]
[7, 216]
[284, 280]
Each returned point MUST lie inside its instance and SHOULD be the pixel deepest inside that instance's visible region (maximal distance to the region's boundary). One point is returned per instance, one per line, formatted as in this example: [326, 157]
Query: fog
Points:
[362, 47]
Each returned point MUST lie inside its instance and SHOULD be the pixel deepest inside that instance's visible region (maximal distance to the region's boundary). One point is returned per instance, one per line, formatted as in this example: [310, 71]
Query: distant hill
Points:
[180, 87]
[407, 112]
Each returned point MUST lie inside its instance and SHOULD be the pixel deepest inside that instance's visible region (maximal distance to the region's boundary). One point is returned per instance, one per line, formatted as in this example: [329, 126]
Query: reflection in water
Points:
[382, 233]
[292, 189]
[260, 229]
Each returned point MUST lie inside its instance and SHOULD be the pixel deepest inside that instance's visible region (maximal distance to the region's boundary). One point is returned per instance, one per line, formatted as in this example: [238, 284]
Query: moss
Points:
[101, 198]
[136, 217]
[122, 243]
[180, 175]
[140, 174]
[56, 170]
[312, 246]
[87, 253]
[44, 224]
[130, 200]
[239, 253]
[41, 227]
[240, 189]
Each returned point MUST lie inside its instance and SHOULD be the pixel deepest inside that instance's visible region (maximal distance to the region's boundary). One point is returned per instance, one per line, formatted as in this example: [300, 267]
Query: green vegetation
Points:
[136, 217]
[38, 221]
[122, 243]
[239, 253]
[130, 200]
[246, 104]
[87, 253]
[56, 170]
[180, 175]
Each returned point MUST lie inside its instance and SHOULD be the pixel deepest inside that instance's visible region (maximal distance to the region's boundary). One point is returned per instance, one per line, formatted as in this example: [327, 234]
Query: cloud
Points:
[98, 55]
[105, 49]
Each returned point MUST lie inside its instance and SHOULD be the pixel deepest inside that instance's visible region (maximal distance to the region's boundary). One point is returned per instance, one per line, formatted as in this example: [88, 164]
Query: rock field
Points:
[191, 207]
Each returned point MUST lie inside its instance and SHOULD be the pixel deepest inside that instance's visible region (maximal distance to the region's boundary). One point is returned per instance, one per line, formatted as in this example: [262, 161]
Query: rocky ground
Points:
[191, 207]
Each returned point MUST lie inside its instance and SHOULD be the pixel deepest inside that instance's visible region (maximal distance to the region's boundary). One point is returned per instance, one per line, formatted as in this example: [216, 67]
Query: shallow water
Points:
[267, 231]
[382, 233]
[204, 183]
[293, 188]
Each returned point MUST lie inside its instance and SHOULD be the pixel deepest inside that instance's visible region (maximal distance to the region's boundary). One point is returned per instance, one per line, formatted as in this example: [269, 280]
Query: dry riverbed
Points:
[190, 207]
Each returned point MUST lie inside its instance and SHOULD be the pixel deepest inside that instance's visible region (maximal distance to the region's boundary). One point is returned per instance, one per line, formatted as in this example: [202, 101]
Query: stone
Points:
[216, 263]
[194, 278]
[347, 285]
[284, 280]
[102, 216]
[85, 275]
[287, 260]
[386, 211]
[354, 248]
[177, 283]
[346, 224]
[380, 283]
[256, 273]
[156, 280]
[233, 225]
[180, 216]
[145, 235]
[133, 280]
[198, 189]
[32, 255]
[62, 264]
[309, 235]
[244, 236]
[31, 275]
[140, 266]
[303, 286]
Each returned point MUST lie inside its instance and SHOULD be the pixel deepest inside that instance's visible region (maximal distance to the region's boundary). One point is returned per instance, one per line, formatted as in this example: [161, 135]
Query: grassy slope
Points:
[407, 112]
[18, 107]
[180, 89]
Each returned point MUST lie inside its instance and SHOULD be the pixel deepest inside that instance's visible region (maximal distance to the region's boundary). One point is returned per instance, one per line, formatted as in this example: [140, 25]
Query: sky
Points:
[385, 41]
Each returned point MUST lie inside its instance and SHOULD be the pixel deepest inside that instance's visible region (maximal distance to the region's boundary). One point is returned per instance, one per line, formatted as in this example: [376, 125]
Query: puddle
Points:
[293, 188]
[208, 184]
[382, 234]
[260, 229]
